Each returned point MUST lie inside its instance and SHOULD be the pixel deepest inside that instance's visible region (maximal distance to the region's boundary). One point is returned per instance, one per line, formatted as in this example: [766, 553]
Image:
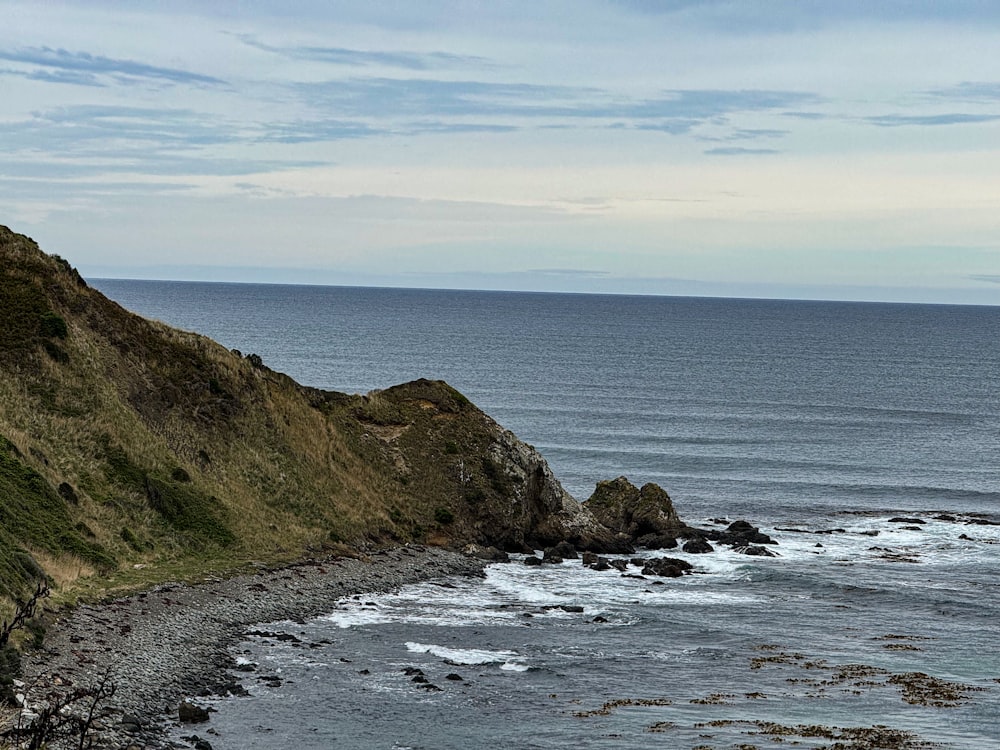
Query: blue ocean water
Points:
[804, 415]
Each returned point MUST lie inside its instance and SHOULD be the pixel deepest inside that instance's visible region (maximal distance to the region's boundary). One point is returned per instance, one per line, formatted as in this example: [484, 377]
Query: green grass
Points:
[33, 515]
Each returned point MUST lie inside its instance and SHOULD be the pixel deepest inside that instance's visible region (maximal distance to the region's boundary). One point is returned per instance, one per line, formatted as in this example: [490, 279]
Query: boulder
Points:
[491, 554]
[532, 560]
[551, 556]
[656, 541]
[738, 534]
[666, 567]
[756, 551]
[697, 546]
[565, 550]
[189, 713]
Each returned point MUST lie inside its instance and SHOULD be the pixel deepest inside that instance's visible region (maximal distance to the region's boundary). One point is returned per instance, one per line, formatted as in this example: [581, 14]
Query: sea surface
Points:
[820, 422]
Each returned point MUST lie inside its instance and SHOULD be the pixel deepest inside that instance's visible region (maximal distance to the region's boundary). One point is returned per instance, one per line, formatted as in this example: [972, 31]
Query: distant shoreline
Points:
[171, 643]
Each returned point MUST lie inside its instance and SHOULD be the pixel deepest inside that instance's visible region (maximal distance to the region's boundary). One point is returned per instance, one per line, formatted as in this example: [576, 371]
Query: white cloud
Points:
[686, 141]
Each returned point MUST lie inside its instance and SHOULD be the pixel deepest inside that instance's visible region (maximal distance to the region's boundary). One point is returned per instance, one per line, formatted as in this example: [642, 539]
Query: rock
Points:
[551, 556]
[131, 723]
[454, 677]
[189, 713]
[589, 558]
[602, 564]
[656, 541]
[756, 551]
[571, 608]
[902, 519]
[697, 546]
[201, 744]
[666, 567]
[634, 512]
[566, 551]
[491, 554]
[532, 560]
[600, 619]
[739, 534]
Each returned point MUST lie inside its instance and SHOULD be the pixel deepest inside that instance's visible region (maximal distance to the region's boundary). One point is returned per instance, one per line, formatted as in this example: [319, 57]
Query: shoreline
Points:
[172, 642]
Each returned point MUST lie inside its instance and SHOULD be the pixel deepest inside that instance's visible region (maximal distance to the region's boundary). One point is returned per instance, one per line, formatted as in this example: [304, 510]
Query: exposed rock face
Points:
[635, 513]
[494, 489]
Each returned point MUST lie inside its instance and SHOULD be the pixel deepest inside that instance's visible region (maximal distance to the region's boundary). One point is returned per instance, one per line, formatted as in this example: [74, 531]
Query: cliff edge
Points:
[132, 452]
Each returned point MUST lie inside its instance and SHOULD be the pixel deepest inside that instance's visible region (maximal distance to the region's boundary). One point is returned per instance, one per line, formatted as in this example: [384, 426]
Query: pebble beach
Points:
[170, 644]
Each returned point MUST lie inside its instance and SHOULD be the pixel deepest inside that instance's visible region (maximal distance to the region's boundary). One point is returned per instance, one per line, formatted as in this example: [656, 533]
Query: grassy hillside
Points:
[131, 452]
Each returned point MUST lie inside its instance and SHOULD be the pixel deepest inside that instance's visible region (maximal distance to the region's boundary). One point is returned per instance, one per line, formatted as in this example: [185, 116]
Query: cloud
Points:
[788, 16]
[969, 91]
[368, 58]
[84, 129]
[305, 131]
[676, 110]
[956, 118]
[77, 64]
[739, 151]
[71, 77]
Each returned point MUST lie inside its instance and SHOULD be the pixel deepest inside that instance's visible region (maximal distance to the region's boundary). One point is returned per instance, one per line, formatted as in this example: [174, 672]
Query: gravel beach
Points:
[171, 642]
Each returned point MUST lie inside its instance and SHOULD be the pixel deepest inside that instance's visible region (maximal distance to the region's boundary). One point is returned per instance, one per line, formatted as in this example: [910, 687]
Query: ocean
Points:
[865, 438]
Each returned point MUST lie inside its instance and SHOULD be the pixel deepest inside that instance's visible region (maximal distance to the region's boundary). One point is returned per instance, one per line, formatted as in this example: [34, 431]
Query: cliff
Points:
[132, 452]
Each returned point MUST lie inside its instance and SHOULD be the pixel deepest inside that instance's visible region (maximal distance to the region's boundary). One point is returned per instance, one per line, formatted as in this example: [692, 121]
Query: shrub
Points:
[51, 326]
[443, 516]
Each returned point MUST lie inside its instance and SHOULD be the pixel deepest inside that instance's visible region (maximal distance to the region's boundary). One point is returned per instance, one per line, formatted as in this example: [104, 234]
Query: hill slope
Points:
[132, 450]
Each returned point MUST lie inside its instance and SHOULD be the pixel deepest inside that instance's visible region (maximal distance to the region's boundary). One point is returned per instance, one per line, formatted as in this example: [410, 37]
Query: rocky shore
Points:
[171, 643]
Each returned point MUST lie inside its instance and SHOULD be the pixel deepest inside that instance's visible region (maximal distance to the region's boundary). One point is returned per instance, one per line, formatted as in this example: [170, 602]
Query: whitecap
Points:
[507, 660]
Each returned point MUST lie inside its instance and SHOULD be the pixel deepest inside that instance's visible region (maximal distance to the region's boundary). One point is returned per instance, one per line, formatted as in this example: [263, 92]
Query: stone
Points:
[697, 546]
[490, 553]
[666, 567]
[550, 555]
[656, 541]
[565, 550]
[739, 534]
[532, 560]
[189, 713]
[755, 551]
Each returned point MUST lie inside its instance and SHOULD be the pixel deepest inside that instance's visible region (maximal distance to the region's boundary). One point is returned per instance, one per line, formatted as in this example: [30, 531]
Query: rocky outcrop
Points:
[634, 513]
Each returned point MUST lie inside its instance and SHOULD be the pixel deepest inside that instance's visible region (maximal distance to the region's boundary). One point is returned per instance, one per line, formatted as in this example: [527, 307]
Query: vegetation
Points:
[132, 453]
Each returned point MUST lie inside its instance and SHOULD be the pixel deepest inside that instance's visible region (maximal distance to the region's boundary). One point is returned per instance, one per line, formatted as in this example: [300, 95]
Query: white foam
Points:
[508, 660]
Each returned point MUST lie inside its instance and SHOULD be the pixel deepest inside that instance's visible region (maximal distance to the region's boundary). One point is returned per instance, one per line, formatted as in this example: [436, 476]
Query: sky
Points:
[785, 148]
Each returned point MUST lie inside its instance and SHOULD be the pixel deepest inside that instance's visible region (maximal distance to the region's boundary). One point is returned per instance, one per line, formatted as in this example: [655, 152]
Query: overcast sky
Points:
[782, 148]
